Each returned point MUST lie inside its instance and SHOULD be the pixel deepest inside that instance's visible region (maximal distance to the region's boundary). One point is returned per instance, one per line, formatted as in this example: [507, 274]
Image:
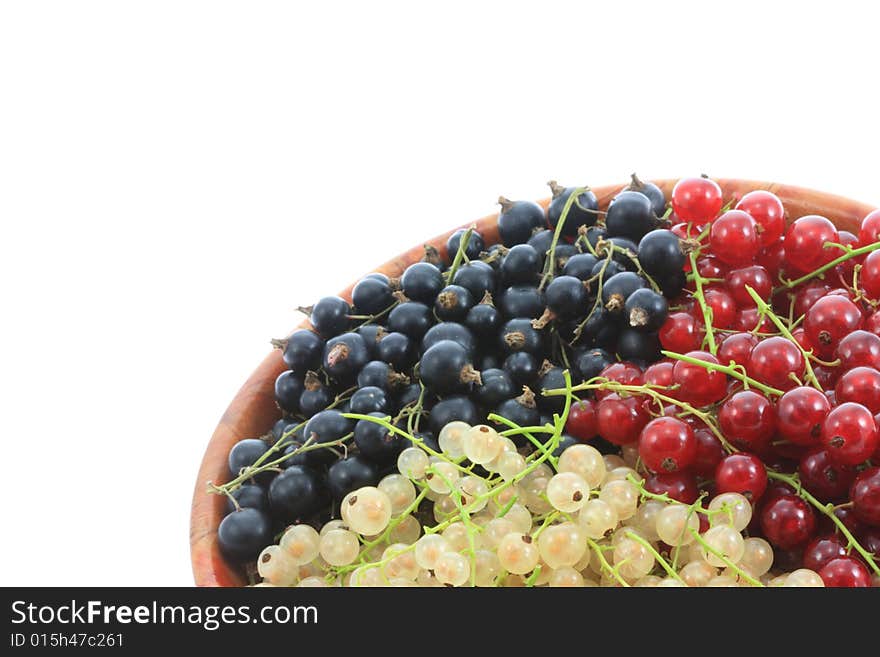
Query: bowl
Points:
[253, 411]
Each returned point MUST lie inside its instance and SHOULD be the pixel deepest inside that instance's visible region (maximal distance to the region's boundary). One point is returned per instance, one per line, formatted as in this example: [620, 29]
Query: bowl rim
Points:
[252, 411]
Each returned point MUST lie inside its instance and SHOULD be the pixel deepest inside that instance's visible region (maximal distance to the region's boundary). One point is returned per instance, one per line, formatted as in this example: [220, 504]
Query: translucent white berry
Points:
[399, 490]
[725, 540]
[520, 517]
[400, 561]
[458, 536]
[730, 509]
[597, 517]
[339, 547]
[757, 556]
[674, 522]
[510, 464]
[622, 495]
[633, 559]
[482, 444]
[441, 476]
[367, 510]
[567, 492]
[451, 439]
[697, 573]
[275, 567]
[473, 492]
[452, 568]
[562, 545]
[486, 567]
[586, 461]
[804, 577]
[412, 463]
[429, 548]
[518, 553]
[566, 577]
[300, 544]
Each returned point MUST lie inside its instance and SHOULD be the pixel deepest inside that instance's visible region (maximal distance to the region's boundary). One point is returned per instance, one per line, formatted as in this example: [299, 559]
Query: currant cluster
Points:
[481, 330]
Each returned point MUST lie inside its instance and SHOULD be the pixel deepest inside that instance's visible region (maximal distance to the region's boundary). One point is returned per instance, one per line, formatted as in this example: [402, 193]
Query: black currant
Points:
[303, 350]
[472, 250]
[344, 356]
[624, 255]
[450, 331]
[497, 385]
[288, 388]
[649, 189]
[562, 253]
[453, 303]
[580, 266]
[446, 367]
[421, 282]
[551, 378]
[455, 407]
[484, 320]
[646, 310]
[591, 362]
[566, 297]
[565, 441]
[630, 215]
[518, 334]
[411, 318]
[541, 242]
[521, 265]
[673, 285]
[369, 399]
[594, 235]
[378, 374]
[349, 474]
[372, 334]
[518, 220]
[488, 361]
[397, 350]
[330, 316]
[249, 496]
[315, 396]
[376, 442]
[242, 535]
[372, 295]
[606, 269]
[325, 427]
[522, 367]
[521, 301]
[520, 410]
[477, 277]
[407, 395]
[661, 254]
[599, 329]
[296, 493]
[582, 212]
[617, 289]
[636, 345]
[244, 454]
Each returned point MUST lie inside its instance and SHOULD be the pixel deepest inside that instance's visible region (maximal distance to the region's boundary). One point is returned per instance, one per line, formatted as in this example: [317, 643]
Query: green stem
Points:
[739, 571]
[851, 253]
[706, 310]
[729, 370]
[550, 266]
[657, 556]
[459, 255]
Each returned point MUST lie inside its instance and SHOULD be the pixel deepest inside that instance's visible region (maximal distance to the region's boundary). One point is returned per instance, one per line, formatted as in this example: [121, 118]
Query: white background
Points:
[176, 177]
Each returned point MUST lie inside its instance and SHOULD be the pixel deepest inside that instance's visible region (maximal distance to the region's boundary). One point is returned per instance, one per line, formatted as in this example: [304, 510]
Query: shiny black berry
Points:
[518, 220]
[497, 385]
[296, 493]
[344, 356]
[450, 331]
[566, 297]
[518, 334]
[325, 427]
[455, 407]
[372, 334]
[303, 350]
[288, 388]
[630, 215]
[646, 310]
[330, 316]
[472, 250]
[541, 242]
[379, 374]
[446, 367]
[484, 320]
[591, 362]
[376, 442]
[661, 253]
[477, 277]
[315, 395]
[521, 265]
[249, 496]
[580, 266]
[582, 212]
[520, 410]
[522, 367]
[398, 350]
[372, 295]
[617, 289]
[453, 303]
[411, 318]
[551, 378]
[242, 535]
[349, 474]
[244, 454]
[649, 189]
[521, 301]
[369, 399]
[421, 282]
[640, 346]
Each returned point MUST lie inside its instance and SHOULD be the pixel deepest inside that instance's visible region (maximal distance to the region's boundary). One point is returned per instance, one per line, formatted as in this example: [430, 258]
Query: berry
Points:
[846, 572]
[249, 496]
[580, 266]
[369, 399]
[621, 420]
[451, 409]
[680, 486]
[753, 276]
[315, 396]
[330, 316]
[521, 410]
[699, 385]
[496, 386]
[296, 493]
[849, 433]
[303, 350]
[767, 211]
[623, 372]
[566, 297]
[859, 349]
[518, 220]
[617, 289]
[748, 420]
[788, 521]
[372, 295]
[649, 189]
[631, 215]
[680, 333]
[710, 451]
[453, 303]
[829, 320]
[411, 318]
[477, 277]
[582, 212]
[591, 362]
[449, 331]
[581, 421]
[823, 549]
[696, 200]
[869, 232]
[661, 253]
[521, 265]
[243, 534]
[349, 474]
[822, 477]
[637, 345]
[869, 277]
[522, 367]
[773, 362]
[344, 356]
[521, 301]
[805, 242]
[860, 385]
[520, 335]
[472, 250]
[288, 388]
[667, 444]
[736, 348]
[733, 238]
[484, 320]
[372, 335]
[446, 367]
[865, 496]
[722, 305]
[741, 473]
[800, 413]
[397, 350]
[646, 310]
[422, 282]
[244, 454]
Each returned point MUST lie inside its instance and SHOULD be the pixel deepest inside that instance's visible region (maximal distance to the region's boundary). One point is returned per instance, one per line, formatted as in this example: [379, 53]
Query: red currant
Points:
[748, 319]
[741, 473]
[807, 295]
[723, 307]
[680, 333]
[869, 233]
[621, 420]
[681, 486]
[667, 445]
[849, 433]
[827, 378]
[788, 521]
[754, 276]
[772, 258]
[860, 385]
[733, 238]
[846, 268]
[822, 477]
[659, 374]
[581, 423]
[711, 267]
[710, 451]
[859, 348]
[623, 372]
[846, 572]
[698, 385]
[767, 211]
[869, 276]
[696, 199]
[829, 320]
[870, 540]
[773, 362]
[872, 323]
[747, 419]
[800, 413]
[823, 549]
[865, 496]
[805, 243]
[800, 336]
[736, 348]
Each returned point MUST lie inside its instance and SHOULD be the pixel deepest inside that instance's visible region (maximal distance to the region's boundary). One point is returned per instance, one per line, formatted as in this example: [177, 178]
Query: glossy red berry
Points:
[733, 238]
[753, 276]
[623, 372]
[581, 422]
[667, 444]
[747, 420]
[800, 413]
[681, 486]
[865, 496]
[711, 267]
[698, 385]
[846, 572]
[805, 243]
[680, 333]
[741, 473]
[844, 271]
[772, 258]
[621, 420]
[829, 320]
[824, 478]
[806, 296]
[767, 211]
[773, 362]
[736, 348]
[710, 451]
[788, 521]
[849, 434]
[723, 308]
[860, 385]
[696, 200]
[659, 374]
[859, 348]
[872, 323]
[869, 232]
[748, 319]
[869, 277]
[823, 549]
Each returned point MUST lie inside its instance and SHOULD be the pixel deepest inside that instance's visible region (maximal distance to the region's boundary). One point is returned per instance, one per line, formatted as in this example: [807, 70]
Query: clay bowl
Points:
[253, 411]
